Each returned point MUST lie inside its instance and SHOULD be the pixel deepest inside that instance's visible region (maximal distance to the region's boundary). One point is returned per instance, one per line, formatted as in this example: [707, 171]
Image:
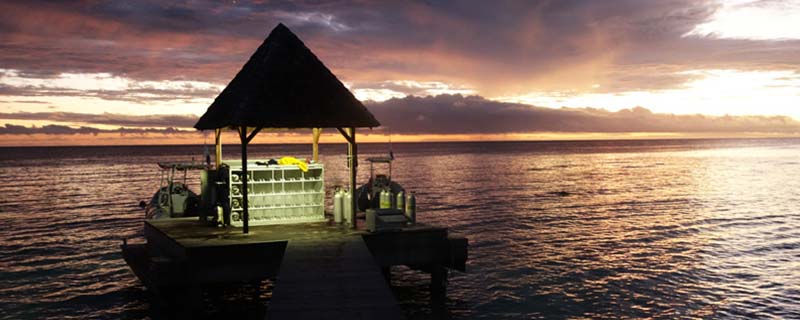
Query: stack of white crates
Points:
[277, 194]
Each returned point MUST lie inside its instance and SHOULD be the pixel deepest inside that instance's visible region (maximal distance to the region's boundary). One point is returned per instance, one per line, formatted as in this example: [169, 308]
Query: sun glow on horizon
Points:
[713, 92]
[296, 137]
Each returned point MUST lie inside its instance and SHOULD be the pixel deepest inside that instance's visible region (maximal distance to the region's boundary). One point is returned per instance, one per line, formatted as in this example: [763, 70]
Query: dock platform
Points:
[320, 269]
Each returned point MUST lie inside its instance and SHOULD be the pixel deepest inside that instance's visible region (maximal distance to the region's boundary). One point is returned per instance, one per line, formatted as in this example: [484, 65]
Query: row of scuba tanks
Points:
[343, 204]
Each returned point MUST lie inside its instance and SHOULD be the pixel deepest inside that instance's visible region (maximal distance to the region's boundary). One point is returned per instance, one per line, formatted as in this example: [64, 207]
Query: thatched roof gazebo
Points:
[284, 85]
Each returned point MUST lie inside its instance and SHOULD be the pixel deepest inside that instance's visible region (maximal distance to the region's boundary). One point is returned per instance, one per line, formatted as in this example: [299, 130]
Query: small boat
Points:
[173, 199]
[369, 193]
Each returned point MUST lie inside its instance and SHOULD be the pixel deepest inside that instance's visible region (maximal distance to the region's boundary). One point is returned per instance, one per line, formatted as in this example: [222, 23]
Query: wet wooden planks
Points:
[332, 279]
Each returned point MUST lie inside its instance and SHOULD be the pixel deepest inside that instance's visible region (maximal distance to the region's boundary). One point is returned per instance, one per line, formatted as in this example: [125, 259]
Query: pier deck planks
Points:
[327, 271]
[333, 279]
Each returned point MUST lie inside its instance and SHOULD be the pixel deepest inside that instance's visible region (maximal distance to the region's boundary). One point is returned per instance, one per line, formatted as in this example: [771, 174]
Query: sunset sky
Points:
[123, 72]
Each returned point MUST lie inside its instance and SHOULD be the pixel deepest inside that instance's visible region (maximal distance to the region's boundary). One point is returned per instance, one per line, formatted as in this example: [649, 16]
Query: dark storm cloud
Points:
[53, 129]
[180, 121]
[455, 114]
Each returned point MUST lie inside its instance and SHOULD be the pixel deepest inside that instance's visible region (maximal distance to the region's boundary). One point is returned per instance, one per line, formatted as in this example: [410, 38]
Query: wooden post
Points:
[438, 282]
[353, 155]
[169, 191]
[352, 162]
[315, 147]
[217, 148]
[243, 137]
[387, 274]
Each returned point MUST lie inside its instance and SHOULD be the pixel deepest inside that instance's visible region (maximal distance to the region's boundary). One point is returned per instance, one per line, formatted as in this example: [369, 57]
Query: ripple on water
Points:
[665, 229]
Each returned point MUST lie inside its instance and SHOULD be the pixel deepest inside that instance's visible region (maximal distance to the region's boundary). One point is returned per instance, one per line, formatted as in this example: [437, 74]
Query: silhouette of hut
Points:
[284, 85]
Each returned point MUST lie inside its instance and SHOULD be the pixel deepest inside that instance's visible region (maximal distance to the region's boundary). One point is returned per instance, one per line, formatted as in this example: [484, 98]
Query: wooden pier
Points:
[321, 270]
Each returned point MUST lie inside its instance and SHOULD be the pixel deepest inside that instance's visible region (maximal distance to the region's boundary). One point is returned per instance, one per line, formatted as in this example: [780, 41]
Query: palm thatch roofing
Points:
[284, 85]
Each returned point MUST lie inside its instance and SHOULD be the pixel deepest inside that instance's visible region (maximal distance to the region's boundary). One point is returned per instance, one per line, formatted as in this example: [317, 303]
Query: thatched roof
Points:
[284, 85]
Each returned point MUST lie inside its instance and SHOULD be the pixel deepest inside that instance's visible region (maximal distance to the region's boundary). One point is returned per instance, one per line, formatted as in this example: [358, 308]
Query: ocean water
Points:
[596, 229]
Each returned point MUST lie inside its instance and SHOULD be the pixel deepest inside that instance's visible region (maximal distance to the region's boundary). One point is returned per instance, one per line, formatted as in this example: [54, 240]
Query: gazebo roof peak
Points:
[284, 85]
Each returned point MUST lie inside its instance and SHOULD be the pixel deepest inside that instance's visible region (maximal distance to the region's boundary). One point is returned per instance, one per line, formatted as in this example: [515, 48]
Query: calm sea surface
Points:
[609, 229]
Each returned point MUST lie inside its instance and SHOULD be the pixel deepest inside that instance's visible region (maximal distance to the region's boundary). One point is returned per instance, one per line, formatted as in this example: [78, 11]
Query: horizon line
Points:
[415, 142]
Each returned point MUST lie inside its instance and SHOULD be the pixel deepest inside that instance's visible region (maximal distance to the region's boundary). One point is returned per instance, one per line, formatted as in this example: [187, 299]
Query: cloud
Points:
[312, 18]
[443, 114]
[30, 101]
[48, 129]
[456, 114]
[178, 121]
[53, 129]
[776, 20]
[400, 88]
[143, 41]
[498, 49]
[103, 86]
[495, 48]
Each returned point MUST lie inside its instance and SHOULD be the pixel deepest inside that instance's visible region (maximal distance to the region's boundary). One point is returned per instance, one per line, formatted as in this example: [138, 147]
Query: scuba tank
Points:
[348, 206]
[411, 207]
[338, 205]
[386, 199]
[400, 201]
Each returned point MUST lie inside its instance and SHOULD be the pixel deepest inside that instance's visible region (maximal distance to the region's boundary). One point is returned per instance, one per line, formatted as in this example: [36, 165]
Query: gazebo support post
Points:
[217, 148]
[245, 140]
[352, 155]
[352, 163]
[353, 170]
[245, 213]
[315, 146]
